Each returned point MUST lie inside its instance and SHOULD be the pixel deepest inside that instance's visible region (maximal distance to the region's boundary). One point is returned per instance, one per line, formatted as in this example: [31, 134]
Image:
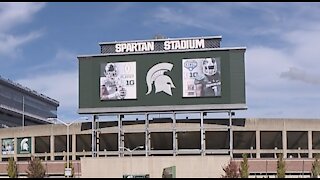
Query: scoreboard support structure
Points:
[147, 145]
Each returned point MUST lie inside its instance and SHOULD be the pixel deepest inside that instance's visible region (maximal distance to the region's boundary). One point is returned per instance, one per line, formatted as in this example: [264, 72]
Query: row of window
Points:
[164, 141]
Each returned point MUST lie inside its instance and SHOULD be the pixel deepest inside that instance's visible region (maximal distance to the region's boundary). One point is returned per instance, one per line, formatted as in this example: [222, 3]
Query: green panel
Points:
[237, 82]
[24, 145]
[86, 82]
[232, 79]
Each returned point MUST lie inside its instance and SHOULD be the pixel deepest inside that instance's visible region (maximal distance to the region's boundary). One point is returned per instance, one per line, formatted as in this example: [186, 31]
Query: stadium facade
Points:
[171, 143]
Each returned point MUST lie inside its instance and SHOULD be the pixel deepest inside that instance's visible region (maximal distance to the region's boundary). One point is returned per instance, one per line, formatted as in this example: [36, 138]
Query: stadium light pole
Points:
[68, 144]
[131, 151]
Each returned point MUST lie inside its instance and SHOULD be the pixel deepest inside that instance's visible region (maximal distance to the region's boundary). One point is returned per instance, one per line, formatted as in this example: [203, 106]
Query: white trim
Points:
[167, 108]
[162, 52]
[164, 39]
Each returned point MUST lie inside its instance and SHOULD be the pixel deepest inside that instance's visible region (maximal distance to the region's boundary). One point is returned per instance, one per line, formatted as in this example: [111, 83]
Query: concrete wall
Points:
[53, 168]
[186, 166]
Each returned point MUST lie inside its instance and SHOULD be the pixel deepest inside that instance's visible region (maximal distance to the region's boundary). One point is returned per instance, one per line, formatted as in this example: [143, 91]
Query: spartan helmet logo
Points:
[24, 145]
[161, 81]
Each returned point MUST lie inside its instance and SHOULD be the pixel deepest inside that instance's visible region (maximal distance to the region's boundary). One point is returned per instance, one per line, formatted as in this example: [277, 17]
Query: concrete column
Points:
[147, 135]
[15, 144]
[309, 144]
[174, 135]
[52, 147]
[258, 146]
[202, 140]
[94, 136]
[98, 139]
[74, 146]
[120, 137]
[284, 143]
[1, 152]
[230, 135]
[33, 145]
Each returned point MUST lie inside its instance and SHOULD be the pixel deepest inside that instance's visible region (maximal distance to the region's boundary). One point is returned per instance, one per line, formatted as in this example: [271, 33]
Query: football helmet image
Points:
[209, 66]
[110, 71]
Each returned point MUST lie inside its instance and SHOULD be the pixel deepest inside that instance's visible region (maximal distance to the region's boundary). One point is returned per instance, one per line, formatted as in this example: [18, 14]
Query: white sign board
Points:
[67, 172]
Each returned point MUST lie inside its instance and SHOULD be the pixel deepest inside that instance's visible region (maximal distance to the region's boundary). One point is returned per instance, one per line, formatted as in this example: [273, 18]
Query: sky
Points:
[40, 42]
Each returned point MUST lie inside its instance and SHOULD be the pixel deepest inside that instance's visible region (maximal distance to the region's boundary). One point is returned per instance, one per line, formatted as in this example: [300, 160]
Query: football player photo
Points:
[118, 81]
[201, 77]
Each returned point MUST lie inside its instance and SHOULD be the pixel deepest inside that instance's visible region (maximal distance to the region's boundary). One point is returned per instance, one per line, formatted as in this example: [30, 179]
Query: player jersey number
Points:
[130, 82]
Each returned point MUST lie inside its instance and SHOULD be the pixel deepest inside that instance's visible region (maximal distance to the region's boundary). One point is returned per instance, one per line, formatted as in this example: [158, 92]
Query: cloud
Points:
[249, 19]
[61, 86]
[195, 15]
[11, 16]
[62, 56]
[279, 81]
[299, 75]
[9, 44]
[56, 81]
[282, 57]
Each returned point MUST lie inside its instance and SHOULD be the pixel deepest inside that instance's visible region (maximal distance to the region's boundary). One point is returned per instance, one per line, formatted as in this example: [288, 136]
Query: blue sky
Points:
[40, 42]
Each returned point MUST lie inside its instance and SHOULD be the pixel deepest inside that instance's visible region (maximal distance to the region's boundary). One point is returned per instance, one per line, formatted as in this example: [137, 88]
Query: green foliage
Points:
[35, 168]
[12, 168]
[244, 167]
[231, 170]
[281, 167]
[70, 166]
[315, 171]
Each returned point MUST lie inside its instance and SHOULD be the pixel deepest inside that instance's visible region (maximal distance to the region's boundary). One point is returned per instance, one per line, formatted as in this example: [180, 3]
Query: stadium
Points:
[18, 102]
[153, 121]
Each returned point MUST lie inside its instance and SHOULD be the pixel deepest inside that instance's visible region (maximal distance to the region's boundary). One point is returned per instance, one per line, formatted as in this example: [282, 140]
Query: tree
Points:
[281, 167]
[315, 171]
[12, 168]
[231, 170]
[35, 168]
[244, 167]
